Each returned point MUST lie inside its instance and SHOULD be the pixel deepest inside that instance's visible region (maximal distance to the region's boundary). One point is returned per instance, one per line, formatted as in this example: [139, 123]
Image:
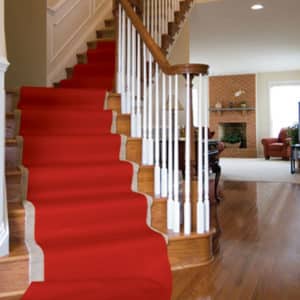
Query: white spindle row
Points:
[152, 97]
[158, 15]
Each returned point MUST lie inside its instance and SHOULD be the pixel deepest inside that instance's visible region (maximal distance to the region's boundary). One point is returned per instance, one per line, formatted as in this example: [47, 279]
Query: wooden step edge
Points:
[15, 295]
[114, 102]
[15, 209]
[15, 256]
[189, 251]
[193, 235]
[81, 58]
[108, 22]
[11, 142]
[10, 115]
[13, 172]
[69, 72]
[159, 214]
[13, 91]
[106, 29]
[123, 124]
[93, 44]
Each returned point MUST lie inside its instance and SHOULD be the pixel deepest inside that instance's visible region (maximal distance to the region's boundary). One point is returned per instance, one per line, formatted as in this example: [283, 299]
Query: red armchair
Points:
[278, 147]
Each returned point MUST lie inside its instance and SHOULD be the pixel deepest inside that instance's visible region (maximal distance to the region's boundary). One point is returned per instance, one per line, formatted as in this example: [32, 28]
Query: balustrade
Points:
[149, 90]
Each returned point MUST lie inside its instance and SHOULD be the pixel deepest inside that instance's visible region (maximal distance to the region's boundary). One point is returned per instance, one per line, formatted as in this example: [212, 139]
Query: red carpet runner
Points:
[90, 225]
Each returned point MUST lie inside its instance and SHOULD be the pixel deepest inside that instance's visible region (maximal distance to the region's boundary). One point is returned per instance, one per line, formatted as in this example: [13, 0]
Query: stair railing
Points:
[149, 90]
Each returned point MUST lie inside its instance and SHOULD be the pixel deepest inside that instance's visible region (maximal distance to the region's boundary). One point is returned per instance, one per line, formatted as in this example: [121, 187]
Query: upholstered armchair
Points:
[277, 147]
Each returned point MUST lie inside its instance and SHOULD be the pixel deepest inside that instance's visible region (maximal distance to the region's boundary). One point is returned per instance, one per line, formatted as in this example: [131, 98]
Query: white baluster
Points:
[150, 143]
[157, 187]
[159, 22]
[128, 77]
[170, 218]
[123, 79]
[176, 225]
[139, 66]
[200, 203]
[164, 171]
[133, 83]
[187, 203]
[120, 50]
[145, 112]
[206, 162]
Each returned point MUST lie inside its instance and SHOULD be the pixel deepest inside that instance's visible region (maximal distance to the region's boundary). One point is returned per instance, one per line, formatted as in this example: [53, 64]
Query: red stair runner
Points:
[90, 225]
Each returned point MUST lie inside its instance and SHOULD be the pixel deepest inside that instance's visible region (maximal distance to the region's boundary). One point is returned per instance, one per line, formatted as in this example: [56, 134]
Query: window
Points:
[284, 106]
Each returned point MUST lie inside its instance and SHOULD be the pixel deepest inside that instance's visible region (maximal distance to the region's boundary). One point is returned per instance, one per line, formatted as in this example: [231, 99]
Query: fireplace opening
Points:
[233, 130]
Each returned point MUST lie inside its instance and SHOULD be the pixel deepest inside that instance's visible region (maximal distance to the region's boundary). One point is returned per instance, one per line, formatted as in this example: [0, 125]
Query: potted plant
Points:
[293, 133]
[232, 140]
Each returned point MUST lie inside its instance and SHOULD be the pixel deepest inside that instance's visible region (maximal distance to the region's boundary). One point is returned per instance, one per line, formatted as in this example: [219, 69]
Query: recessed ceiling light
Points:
[257, 7]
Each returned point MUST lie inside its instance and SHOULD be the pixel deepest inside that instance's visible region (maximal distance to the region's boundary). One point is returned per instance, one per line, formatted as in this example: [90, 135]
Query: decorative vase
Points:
[218, 105]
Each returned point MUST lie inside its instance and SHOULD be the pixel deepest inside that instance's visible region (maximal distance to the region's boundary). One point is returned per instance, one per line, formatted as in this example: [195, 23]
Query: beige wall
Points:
[26, 42]
[52, 2]
[180, 54]
[2, 31]
[263, 103]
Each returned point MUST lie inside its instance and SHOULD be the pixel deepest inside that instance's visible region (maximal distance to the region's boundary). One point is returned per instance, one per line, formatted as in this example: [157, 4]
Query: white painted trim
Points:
[3, 64]
[4, 227]
[36, 254]
[56, 7]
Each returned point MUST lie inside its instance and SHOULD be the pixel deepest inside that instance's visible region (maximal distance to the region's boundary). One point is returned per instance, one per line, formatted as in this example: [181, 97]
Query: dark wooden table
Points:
[295, 151]
[213, 154]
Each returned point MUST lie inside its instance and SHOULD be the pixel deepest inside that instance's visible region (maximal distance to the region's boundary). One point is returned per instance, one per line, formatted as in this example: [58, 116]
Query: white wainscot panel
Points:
[67, 25]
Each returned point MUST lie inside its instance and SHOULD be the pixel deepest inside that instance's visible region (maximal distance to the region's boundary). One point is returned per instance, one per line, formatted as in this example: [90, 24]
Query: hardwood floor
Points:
[260, 247]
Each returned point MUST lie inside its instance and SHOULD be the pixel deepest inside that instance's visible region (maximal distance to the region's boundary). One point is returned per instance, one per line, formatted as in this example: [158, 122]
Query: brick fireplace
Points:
[232, 116]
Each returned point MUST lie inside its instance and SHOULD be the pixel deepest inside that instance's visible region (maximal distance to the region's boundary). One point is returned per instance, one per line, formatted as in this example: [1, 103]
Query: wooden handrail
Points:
[158, 55]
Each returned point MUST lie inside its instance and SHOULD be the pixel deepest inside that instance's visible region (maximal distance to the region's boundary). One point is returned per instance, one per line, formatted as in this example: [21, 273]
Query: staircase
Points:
[183, 250]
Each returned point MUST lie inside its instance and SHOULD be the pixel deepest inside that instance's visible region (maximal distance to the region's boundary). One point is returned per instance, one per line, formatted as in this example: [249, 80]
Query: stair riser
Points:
[81, 58]
[123, 124]
[17, 229]
[16, 297]
[13, 124]
[159, 215]
[13, 154]
[146, 180]
[134, 150]
[114, 102]
[188, 252]
[14, 276]
[106, 33]
[69, 72]
[17, 185]
[11, 101]
[109, 23]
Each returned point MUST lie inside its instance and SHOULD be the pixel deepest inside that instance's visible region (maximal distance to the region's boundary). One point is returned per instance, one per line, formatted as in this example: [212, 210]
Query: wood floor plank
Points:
[260, 247]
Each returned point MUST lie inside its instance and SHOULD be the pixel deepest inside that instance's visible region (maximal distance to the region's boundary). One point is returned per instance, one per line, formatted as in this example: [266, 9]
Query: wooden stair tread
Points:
[17, 252]
[13, 172]
[194, 235]
[11, 142]
[12, 295]
[111, 28]
[15, 209]
[10, 115]
[101, 40]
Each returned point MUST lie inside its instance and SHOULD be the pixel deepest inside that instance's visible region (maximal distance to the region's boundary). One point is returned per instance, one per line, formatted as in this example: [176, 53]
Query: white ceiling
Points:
[232, 38]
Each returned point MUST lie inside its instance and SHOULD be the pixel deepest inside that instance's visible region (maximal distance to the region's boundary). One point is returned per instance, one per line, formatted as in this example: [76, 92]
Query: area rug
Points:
[89, 223]
[257, 169]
